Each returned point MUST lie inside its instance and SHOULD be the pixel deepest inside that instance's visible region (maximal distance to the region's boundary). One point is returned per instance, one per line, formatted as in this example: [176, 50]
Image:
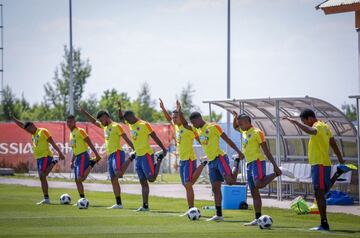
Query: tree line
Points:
[54, 106]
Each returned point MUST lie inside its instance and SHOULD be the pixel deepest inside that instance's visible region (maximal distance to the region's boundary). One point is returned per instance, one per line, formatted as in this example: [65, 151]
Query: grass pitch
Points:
[20, 217]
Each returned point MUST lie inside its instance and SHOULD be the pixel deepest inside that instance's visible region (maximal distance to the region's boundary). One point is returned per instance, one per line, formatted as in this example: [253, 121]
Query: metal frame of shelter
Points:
[266, 114]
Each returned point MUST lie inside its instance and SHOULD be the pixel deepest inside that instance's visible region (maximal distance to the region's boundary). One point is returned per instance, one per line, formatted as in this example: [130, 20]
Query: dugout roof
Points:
[264, 112]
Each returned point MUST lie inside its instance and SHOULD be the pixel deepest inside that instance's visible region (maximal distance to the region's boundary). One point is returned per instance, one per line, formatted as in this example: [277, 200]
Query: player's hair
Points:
[175, 111]
[244, 116]
[27, 124]
[306, 113]
[195, 115]
[70, 117]
[129, 113]
[102, 113]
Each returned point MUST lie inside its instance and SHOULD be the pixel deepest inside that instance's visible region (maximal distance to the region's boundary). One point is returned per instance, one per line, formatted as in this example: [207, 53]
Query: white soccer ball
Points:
[194, 214]
[82, 203]
[65, 199]
[265, 222]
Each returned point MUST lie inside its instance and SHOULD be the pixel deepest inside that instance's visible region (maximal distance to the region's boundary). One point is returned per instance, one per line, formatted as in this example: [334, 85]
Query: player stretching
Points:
[41, 139]
[145, 168]
[116, 155]
[318, 153]
[185, 135]
[253, 143]
[219, 168]
[81, 163]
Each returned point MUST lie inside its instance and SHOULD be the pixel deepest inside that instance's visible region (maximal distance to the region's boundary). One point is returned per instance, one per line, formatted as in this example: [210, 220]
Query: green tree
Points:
[143, 106]
[90, 104]
[214, 117]
[9, 104]
[186, 100]
[349, 111]
[109, 101]
[38, 112]
[57, 92]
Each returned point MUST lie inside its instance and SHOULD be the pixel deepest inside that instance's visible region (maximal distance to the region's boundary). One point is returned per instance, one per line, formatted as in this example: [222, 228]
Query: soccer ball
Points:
[265, 222]
[65, 199]
[194, 214]
[82, 203]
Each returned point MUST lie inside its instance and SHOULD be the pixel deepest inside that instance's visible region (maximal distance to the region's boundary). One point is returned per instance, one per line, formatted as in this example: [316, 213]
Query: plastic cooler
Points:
[233, 196]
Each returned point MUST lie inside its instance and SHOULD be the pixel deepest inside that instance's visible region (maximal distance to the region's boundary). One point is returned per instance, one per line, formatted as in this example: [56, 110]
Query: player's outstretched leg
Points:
[257, 204]
[115, 161]
[145, 196]
[255, 173]
[216, 188]
[44, 166]
[321, 182]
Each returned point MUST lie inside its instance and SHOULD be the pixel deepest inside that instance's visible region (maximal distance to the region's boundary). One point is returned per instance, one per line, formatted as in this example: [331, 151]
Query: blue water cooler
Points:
[233, 196]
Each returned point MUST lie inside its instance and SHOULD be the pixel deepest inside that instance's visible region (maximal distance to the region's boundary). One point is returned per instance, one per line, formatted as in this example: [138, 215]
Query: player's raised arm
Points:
[158, 141]
[128, 141]
[336, 150]
[184, 122]
[235, 121]
[17, 122]
[120, 113]
[308, 129]
[232, 145]
[165, 112]
[54, 145]
[89, 117]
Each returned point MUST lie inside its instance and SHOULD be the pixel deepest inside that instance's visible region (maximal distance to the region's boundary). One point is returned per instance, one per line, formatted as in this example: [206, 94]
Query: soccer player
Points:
[252, 144]
[185, 135]
[318, 153]
[41, 139]
[146, 170]
[81, 163]
[219, 169]
[113, 132]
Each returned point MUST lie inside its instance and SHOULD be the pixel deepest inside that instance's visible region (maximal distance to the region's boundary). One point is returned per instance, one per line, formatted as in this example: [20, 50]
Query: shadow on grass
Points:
[345, 231]
[166, 212]
[331, 231]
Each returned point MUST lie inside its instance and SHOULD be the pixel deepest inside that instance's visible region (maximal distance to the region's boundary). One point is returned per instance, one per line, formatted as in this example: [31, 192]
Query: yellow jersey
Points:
[184, 142]
[252, 139]
[140, 132]
[209, 136]
[112, 134]
[77, 141]
[319, 145]
[40, 144]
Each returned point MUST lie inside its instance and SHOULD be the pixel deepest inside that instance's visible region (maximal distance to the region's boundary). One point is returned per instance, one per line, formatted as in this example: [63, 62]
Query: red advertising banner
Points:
[16, 150]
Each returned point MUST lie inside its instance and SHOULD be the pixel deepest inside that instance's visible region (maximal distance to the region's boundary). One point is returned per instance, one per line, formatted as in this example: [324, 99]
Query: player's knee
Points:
[144, 183]
[257, 184]
[188, 185]
[42, 175]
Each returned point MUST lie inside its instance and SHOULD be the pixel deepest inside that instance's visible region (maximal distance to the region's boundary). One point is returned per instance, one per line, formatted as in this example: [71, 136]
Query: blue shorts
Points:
[256, 170]
[43, 163]
[145, 168]
[219, 168]
[187, 169]
[321, 177]
[81, 164]
[115, 161]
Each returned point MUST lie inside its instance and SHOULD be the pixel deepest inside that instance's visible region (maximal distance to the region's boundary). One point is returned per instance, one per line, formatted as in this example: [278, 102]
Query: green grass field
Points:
[20, 217]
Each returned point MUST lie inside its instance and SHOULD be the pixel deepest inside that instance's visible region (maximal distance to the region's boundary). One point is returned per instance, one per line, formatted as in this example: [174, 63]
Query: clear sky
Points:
[279, 47]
